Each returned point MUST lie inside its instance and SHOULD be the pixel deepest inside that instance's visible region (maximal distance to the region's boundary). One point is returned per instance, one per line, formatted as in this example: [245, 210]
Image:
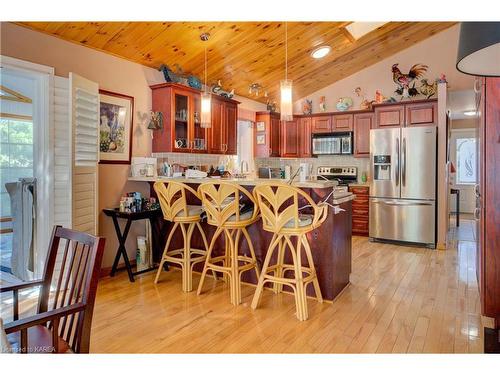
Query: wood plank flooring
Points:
[401, 299]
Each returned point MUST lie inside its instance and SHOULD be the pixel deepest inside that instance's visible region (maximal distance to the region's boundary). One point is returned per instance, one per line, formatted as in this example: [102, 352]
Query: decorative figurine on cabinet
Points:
[405, 80]
[217, 89]
[307, 107]
[365, 104]
[427, 89]
[271, 106]
[322, 104]
[343, 104]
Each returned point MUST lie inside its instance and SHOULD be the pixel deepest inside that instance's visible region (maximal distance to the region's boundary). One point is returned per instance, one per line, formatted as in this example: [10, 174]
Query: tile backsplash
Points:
[321, 161]
[199, 160]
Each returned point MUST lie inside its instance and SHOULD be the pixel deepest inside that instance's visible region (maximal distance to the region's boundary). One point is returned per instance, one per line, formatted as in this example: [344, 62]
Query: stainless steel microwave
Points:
[332, 144]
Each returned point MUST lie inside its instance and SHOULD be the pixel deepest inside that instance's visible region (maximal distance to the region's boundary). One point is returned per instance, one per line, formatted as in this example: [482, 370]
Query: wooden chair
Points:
[64, 314]
[221, 201]
[279, 206]
[173, 202]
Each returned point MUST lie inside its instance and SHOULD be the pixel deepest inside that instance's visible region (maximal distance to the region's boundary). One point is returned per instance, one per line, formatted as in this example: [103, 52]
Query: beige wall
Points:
[111, 73]
[439, 52]
[469, 123]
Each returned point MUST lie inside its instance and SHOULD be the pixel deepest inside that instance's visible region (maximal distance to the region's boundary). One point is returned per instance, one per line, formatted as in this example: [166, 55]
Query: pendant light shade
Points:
[286, 108]
[206, 106]
[206, 96]
[479, 49]
[286, 100]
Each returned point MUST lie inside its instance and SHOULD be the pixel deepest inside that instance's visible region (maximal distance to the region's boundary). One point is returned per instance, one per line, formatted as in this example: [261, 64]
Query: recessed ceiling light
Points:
[320, 52]
[470, 113]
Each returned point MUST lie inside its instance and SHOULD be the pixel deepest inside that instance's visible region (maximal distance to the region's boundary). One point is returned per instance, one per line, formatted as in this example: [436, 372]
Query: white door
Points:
[463, 157]
[84, 100]
[245, 144]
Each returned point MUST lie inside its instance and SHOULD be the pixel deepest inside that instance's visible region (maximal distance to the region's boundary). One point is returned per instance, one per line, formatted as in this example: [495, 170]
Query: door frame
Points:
[43, 146]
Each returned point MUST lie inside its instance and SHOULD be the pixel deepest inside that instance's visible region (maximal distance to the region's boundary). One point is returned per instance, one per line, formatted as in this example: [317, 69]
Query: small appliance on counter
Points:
[344, 176]
[143, 167]
[268, 172]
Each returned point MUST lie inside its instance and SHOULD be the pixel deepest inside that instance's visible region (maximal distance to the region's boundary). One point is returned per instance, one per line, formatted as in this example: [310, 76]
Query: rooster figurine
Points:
[428, 89]
[405, 80]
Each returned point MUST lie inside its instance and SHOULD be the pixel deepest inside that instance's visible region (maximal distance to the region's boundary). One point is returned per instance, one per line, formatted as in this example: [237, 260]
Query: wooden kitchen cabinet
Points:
[271, 134]
[290, 146]
[216, 131]
[389, 116]
[410, 113]
[182, 131]
[305, 143]
[231, 128]
[321, 124]
[421, 114]
[363, 122]
[342, 123]
[360, 210]
[222, 134]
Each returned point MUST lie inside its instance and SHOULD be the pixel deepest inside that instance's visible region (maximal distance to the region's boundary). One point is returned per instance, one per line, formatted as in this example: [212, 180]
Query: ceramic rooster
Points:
[428, 89]
[405, 80]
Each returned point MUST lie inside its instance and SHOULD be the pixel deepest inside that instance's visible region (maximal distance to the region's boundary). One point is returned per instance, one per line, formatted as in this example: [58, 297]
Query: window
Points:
[466, 161]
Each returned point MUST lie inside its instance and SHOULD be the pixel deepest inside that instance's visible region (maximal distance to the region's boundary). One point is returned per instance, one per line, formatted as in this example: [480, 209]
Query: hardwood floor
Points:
[401, 299]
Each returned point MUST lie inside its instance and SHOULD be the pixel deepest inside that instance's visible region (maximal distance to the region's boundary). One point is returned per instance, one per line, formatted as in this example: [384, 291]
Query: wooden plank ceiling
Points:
[241, 53]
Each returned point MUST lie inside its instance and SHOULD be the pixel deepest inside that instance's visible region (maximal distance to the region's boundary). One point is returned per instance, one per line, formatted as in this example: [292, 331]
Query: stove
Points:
[344, 175]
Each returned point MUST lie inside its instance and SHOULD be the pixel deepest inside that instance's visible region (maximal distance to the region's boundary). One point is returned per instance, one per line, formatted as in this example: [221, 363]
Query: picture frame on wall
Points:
[261, 139]
[116, 123]
[261, 126]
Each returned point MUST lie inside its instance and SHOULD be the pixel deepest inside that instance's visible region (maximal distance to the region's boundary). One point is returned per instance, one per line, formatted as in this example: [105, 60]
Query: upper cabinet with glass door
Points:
[181, 110]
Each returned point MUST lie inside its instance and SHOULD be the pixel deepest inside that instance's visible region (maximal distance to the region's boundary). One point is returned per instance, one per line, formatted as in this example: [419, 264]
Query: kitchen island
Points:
[330, 243]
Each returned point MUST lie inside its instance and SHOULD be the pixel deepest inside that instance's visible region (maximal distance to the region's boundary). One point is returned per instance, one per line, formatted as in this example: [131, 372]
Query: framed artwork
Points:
[116, 120]
[261, 139]
[261, 126]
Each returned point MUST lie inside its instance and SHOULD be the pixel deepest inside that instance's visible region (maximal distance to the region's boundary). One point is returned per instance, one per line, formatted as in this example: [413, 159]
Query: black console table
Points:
[115, 214]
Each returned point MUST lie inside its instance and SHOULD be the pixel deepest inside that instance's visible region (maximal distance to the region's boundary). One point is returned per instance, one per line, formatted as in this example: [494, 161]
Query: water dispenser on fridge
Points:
[382, 167]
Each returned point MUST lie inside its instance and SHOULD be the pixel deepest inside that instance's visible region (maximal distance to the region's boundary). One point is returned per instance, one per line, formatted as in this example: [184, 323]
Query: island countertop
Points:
[338, 197]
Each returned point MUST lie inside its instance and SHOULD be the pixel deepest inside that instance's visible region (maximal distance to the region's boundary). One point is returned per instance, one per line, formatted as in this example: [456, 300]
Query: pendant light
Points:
[286, 87]
[206, 96]
[479, 49]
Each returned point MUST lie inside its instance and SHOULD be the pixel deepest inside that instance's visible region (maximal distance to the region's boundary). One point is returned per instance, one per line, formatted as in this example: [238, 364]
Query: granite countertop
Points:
[337, 197]
[318, 184]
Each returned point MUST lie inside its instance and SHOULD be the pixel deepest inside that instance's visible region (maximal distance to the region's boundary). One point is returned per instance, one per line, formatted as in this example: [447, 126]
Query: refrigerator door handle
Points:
[397, 162]
[403, 167]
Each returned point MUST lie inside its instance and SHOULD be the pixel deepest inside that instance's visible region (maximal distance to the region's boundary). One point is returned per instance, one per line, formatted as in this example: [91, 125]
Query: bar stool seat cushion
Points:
[244, 216]
[193, 210]
[304, 221]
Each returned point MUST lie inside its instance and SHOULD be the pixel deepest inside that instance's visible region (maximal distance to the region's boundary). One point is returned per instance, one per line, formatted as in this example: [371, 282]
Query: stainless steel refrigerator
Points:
[403, 185]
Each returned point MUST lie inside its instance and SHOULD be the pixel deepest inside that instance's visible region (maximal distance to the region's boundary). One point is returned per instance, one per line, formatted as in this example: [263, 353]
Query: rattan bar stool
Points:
[173, 202]
[222, 203]
[279, 206]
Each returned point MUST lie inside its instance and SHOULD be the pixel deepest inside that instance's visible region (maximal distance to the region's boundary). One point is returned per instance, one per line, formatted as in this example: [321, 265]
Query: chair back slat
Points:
[221, 201]
[73, 282]
[279, 206]
[172, 198]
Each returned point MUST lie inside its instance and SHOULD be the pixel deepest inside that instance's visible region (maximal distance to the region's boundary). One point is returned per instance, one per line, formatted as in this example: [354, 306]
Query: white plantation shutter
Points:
[62, 153]
[84, 99]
